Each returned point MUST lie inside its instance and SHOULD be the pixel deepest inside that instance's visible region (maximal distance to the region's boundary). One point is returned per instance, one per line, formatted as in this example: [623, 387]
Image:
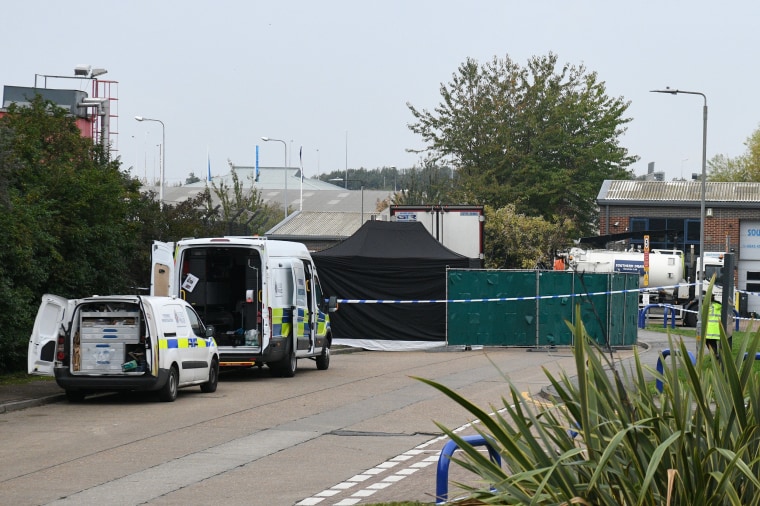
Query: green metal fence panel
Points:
[538, 306]
[556, 311]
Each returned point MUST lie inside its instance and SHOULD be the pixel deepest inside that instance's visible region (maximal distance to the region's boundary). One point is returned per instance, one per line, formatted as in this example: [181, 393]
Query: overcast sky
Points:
[334, 77]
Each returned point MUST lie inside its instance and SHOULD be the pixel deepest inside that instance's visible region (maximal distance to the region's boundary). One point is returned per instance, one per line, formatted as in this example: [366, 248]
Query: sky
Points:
[331, 79]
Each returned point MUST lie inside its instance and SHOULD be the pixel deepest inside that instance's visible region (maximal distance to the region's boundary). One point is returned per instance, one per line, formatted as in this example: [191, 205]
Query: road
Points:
[362, 432]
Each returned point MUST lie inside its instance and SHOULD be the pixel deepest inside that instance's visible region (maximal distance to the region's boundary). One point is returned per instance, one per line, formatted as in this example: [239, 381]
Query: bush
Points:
[608, 440]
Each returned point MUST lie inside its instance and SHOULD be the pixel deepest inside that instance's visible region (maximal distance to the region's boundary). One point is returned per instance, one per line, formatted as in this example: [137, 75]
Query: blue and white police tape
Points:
[500, 299]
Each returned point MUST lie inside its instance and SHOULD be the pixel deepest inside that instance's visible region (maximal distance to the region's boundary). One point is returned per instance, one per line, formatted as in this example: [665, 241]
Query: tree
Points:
[192, 178]
[194, 217]
[743, 168]
[540, 137]
[243, 209]
[517, 241]
[64, 219]
[430, 184]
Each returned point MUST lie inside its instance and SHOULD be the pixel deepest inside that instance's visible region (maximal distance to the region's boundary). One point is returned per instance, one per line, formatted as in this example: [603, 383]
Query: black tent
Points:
[388, 261]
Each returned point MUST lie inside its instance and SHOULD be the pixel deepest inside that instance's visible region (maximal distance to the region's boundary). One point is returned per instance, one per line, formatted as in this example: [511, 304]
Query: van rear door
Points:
[162, 269]
[54, 312]
[301, 327]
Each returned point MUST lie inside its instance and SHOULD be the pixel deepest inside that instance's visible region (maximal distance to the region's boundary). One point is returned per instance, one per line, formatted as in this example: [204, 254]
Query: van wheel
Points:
[690, 319]
[213, 378]
[168, 392]
[286, 367]
[323, 361]
[75, 395]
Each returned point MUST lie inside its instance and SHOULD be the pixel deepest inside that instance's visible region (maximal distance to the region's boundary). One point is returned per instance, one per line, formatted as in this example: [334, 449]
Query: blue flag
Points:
[257, 164]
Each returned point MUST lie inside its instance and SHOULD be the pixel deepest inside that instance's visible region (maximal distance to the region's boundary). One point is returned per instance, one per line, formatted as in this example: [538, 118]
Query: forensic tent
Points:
[388, 261]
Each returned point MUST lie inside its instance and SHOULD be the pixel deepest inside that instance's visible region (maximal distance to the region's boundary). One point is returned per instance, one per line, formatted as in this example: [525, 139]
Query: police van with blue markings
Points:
[263, 298]
[123, 343]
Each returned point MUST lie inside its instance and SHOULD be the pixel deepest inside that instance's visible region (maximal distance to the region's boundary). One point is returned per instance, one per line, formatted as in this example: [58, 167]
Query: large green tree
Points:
[64, 219]
[542, 137]
[743, 168]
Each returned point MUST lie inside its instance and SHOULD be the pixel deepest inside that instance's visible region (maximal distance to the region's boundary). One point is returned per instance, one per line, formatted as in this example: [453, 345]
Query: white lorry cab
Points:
[122, 343]
[262, 297]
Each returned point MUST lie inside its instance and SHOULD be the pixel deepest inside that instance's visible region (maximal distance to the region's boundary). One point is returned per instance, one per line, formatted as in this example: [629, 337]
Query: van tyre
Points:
[323, 360]
[168, 392]
[690, 317]
[75, 395]
[213, 378]
[286, 367]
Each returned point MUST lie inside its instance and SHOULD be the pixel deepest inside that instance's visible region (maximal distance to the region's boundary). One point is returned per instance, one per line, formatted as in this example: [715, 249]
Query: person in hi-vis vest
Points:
[712, 333]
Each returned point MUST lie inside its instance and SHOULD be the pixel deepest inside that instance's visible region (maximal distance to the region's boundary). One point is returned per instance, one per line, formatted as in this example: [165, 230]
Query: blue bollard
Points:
[661, 367]
[442, 474]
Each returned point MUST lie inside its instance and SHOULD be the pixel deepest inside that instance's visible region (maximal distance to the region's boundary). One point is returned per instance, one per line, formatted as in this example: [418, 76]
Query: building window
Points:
[667, 233]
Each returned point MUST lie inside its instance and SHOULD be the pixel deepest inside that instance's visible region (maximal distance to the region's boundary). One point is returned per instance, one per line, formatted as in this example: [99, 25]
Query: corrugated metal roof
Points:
[316, 197]
[677, 191]
[319, 224]
[269, 178]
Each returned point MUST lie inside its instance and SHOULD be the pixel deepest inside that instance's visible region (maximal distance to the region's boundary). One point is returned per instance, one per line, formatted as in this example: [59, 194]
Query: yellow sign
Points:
[646, 260]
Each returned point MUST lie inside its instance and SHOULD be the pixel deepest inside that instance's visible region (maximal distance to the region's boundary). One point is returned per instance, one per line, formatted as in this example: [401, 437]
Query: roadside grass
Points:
[20, 378]
[739, 339]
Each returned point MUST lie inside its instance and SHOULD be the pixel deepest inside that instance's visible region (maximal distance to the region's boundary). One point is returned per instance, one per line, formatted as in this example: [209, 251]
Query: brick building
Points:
[732, 220]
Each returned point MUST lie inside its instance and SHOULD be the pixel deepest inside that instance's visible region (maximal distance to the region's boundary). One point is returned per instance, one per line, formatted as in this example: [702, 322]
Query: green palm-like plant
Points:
[608, 440]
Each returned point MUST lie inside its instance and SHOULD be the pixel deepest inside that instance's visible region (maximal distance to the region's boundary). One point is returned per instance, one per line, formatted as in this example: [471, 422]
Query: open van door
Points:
[162, 269]
[301, 328]
[54, 311]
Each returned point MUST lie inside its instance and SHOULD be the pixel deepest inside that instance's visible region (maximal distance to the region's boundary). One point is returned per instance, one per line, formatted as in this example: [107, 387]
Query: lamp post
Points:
[702, 199]
[163, 160]
[362, 189]
[285, 145]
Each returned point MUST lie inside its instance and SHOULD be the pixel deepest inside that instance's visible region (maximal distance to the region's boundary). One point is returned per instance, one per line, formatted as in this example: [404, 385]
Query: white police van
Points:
[262, 297]
[122, 343]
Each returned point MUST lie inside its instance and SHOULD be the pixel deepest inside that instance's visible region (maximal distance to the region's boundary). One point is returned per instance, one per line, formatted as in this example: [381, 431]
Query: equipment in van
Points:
[263, 298]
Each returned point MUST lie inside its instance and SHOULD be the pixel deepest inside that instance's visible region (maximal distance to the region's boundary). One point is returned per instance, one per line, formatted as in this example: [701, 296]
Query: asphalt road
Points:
[362, 432]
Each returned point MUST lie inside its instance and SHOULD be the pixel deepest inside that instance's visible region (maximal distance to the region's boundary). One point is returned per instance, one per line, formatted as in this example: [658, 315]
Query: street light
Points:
[362, 188]
[285, 145]
[702, 199]
[163, 159]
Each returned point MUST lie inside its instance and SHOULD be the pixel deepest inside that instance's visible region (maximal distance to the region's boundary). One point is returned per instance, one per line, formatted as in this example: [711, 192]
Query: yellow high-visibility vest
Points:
[713, 321]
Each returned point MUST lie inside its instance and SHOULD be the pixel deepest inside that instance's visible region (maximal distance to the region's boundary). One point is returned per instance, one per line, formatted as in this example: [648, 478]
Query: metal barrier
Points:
[442, 474]
[669, 310]
[672, 310]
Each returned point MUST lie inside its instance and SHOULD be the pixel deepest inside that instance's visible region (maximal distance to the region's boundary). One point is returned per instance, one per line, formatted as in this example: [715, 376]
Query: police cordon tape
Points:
[499, 299]
[534, 297]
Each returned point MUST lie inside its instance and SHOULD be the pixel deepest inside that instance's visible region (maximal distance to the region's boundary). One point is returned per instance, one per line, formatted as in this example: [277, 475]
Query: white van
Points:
[122, 343]
[262, 297]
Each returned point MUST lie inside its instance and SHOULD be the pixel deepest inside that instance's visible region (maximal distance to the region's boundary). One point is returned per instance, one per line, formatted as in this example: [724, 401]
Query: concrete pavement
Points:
[43, 391]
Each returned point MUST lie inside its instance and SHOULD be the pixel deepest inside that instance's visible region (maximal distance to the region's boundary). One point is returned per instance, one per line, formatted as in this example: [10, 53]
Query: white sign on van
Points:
[190, 282]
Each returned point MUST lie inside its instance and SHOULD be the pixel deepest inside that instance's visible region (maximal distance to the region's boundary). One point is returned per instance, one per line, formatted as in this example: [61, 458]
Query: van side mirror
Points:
[210, 331]
[332, 304]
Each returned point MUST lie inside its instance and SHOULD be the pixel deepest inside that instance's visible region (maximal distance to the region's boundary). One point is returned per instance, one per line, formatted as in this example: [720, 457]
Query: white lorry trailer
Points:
[667, 282]
[262, 297]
